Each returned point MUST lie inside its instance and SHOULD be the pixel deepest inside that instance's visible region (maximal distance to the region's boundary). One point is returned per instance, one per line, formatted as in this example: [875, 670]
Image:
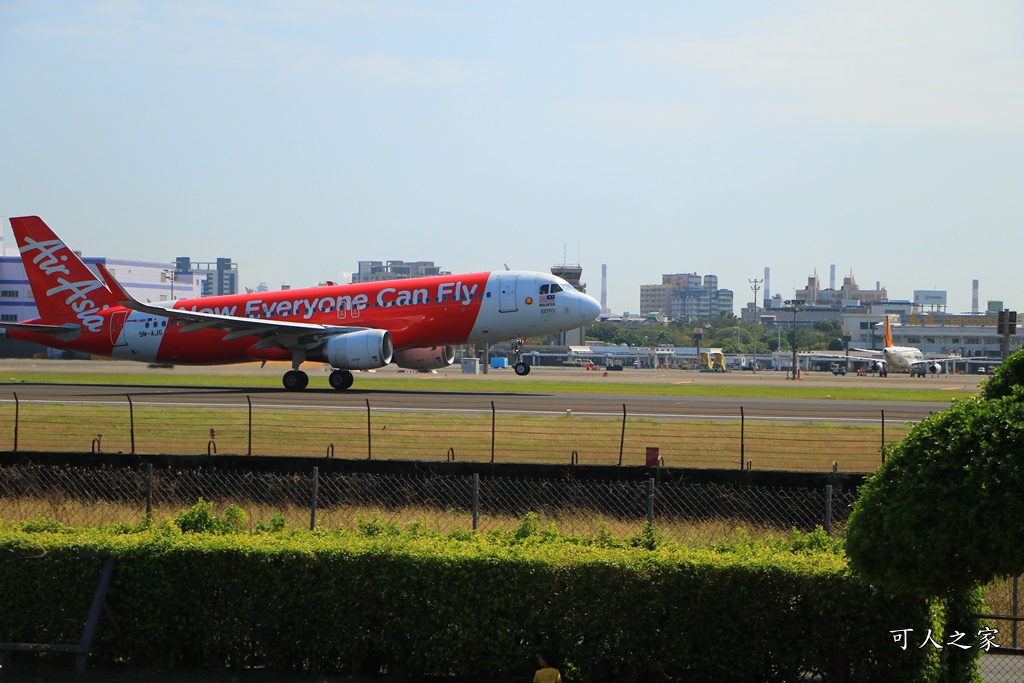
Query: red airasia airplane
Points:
[413, 323]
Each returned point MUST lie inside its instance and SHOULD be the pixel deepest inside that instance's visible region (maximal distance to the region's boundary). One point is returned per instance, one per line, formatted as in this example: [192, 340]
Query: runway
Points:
[421, 396]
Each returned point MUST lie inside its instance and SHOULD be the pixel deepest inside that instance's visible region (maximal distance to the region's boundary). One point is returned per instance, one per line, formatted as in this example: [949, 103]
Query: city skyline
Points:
[299, 138]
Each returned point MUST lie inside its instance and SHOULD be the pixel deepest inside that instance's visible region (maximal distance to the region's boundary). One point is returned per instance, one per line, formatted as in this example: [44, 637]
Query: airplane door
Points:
[117, 321]
[507, 294]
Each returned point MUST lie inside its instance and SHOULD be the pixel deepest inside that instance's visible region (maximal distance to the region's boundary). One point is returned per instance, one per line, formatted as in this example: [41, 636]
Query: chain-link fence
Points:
[683, 511]
[485, 433]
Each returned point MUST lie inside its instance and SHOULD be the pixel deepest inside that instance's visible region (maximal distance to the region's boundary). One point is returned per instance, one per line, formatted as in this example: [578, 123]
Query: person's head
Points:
[546, 658]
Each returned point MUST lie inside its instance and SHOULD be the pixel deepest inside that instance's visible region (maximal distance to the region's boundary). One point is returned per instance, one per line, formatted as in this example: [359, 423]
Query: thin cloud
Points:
[639, 114]
[393, 69]
[932, 64]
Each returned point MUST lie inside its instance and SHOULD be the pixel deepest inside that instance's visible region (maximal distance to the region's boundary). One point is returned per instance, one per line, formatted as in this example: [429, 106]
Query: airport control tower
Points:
[572, 275]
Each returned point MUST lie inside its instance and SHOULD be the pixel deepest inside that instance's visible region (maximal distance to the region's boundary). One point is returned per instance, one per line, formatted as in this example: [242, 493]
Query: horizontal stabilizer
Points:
[66, 332]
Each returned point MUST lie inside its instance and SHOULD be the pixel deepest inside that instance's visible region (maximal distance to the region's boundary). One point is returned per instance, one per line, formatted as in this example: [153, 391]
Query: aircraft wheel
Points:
[295, 380]
[341, 379]
[522, 369]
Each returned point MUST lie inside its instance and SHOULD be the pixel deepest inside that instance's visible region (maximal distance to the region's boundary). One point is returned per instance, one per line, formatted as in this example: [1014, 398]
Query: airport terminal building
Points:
[147, 281]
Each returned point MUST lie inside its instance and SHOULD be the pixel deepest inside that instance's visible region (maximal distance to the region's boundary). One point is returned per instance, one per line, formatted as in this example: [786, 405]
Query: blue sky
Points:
[654, 137]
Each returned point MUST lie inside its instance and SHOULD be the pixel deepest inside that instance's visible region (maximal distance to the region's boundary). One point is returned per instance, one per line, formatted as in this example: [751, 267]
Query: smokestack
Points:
[974, 297]
[767, 286]
[832, 277]
[604, 287]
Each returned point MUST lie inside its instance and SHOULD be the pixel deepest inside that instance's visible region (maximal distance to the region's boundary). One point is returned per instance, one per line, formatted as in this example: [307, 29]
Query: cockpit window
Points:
[544, 289]
[555, 288]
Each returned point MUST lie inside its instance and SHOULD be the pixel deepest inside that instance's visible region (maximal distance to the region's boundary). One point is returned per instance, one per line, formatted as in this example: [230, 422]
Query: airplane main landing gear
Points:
[522, 368]
[295, 380]
[341, 379]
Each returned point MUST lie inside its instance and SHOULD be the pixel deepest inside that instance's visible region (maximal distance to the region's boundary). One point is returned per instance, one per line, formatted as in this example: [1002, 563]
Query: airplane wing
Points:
[283, 333]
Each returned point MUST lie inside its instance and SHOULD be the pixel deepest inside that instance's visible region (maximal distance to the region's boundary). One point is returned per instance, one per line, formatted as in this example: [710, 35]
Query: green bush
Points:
[474, 605]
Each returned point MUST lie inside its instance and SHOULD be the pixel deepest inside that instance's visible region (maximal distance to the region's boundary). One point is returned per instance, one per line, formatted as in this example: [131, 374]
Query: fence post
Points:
[369, 438]
[17, 411]
[743, 430]
[622, 439]
[828, 509]
[312, 502]
[149, 489]
[476, 499]
[131, 420]
[492, 436]
[248, 400]
[1013, 629]
[883, 436]
[650, 501]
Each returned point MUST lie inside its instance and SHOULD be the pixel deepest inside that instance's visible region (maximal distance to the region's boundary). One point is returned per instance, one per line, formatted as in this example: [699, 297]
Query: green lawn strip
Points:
[508, 385]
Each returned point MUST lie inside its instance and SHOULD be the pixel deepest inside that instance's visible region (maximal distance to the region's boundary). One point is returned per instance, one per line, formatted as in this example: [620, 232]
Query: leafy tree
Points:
[945, 511]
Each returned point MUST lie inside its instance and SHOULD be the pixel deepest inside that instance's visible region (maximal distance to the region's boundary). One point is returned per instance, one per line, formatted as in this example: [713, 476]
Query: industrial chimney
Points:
[767, 287]
[974, 297]
[832, 277]
[604, 287]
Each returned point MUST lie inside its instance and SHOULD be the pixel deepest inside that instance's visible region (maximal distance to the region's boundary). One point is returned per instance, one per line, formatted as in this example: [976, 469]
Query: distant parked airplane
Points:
[413, 323]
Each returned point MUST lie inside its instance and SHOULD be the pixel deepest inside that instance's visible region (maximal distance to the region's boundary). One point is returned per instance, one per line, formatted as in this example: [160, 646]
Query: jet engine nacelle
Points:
[935, 368]
[425, 358]
[362, 350]
[877, 366]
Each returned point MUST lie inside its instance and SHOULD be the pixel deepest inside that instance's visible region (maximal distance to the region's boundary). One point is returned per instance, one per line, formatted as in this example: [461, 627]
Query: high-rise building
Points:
[218, 278]
[376, 271]
[813, 294]
[686, 295]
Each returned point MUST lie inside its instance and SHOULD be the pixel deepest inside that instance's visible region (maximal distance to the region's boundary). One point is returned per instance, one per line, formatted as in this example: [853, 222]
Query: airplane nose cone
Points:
[590, 308]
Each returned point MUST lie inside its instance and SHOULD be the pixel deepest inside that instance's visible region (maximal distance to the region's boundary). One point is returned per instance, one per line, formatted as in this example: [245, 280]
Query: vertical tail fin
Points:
[61, 283]
[888, 333]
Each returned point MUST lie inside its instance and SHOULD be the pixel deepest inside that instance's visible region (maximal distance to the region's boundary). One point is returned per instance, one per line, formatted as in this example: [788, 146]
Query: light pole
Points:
[698, 334]
[794, 303]
[755, 285]
[171, 272]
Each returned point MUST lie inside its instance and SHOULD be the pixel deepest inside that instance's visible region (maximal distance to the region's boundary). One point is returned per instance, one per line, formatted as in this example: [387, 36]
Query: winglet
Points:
[888, 333]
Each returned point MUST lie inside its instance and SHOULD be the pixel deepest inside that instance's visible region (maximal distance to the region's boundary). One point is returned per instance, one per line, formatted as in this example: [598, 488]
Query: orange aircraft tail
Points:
[888, 333]
[61, 283]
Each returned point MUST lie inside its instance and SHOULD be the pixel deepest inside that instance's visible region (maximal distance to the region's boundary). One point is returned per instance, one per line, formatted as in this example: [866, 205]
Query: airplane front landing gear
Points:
[341, 379]
[295, 380]
[522, 368]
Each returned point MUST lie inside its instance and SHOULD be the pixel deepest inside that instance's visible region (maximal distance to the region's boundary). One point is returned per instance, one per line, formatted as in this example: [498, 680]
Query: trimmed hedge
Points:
[471, 606]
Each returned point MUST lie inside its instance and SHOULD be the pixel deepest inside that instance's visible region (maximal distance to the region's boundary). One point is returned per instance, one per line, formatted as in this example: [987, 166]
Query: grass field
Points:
[547, 380]
[397, 434]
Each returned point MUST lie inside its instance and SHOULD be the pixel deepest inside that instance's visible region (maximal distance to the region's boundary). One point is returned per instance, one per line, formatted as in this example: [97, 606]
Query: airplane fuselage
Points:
[420, 312]
[902, 358]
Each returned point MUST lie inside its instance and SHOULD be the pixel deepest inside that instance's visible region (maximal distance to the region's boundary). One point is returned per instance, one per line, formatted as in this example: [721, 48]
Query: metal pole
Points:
[1014, 622]
[149, 489]
[828, 509]
[650, 501]
[883, 436]
[755, 285]
[369, 439]
[17, 411]
[131, 421]
[248, 400]
[743, 429]
[476, 499]
[492, 434]
[312, 502]
[622, 439]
